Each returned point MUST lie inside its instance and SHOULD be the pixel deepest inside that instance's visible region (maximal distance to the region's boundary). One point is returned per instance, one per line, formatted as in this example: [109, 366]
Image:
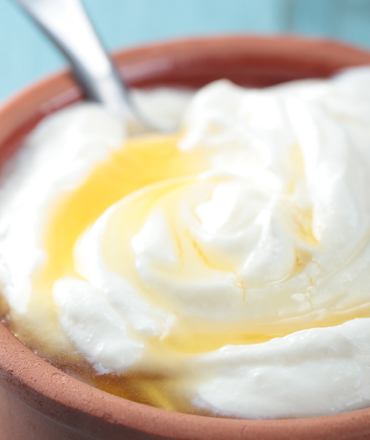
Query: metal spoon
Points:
[67, 24]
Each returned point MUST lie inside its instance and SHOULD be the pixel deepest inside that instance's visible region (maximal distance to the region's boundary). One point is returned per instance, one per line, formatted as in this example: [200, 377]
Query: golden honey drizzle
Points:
[137, 164]
[140, 162]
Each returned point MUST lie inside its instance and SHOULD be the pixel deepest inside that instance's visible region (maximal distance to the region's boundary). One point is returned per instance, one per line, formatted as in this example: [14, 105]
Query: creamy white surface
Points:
[58, 157]
[289, 179]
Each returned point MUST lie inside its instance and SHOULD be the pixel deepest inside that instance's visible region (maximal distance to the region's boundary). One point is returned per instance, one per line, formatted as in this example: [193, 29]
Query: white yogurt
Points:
[275, 234]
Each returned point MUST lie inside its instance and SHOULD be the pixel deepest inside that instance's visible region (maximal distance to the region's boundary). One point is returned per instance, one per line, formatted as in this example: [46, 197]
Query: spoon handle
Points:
[67, 24]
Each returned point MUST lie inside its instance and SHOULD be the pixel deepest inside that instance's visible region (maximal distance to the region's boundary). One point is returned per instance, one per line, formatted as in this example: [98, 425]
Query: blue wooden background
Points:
[26, 55]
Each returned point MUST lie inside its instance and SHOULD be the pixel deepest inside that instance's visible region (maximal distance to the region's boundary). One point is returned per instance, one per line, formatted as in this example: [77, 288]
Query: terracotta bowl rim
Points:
[20, 367]
[171, 46]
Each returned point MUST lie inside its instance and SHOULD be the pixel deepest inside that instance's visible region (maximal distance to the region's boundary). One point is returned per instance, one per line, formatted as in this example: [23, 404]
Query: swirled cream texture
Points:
[232, 261]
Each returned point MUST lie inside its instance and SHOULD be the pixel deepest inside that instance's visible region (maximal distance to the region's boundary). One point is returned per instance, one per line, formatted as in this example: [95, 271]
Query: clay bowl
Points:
[37, 401]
